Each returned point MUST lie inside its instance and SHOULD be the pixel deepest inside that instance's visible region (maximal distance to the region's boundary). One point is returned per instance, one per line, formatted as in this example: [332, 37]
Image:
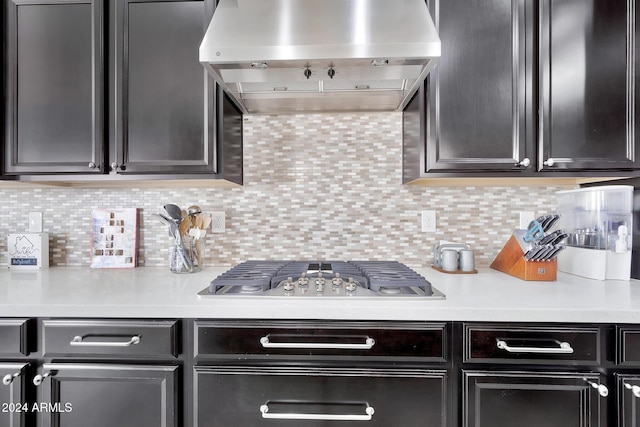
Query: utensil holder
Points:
[186, 256]
[511, 260]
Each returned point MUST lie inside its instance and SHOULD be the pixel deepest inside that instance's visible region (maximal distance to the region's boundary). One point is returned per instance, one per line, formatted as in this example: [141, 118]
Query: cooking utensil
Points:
[175, 212]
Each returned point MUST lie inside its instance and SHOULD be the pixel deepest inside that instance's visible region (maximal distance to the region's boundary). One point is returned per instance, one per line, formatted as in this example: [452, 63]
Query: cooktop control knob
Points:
[337, 281]
[303, 281]
[288, 285]
[320, 282]
[351, 285]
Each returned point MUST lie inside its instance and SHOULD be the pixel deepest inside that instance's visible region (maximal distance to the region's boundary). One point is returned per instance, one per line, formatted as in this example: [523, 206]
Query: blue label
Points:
[24, 261]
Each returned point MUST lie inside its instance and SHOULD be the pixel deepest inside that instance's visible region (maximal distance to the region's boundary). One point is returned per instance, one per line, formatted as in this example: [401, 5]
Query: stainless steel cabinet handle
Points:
[369, 411]
[563, 348]
[38, 379]
[92, 165]
[367, 345]
[8, 379]
[602, 389]
[549, 162]
[524, 163]
[77, 341]
[114, 166]
[634, 389]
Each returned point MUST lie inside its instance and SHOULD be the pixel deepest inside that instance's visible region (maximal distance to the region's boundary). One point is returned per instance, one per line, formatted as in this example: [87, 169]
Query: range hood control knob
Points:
[307, 73]
[331, 72]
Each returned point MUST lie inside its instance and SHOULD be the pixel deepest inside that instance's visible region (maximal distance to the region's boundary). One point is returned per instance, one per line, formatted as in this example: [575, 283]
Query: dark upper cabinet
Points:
[114, 88]
[54, 86]
[527, 89]
[477, 100]
[164, 103]
[587, 84]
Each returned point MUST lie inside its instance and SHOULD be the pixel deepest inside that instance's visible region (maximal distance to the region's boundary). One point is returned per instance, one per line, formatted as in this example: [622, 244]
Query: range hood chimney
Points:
[290, 56]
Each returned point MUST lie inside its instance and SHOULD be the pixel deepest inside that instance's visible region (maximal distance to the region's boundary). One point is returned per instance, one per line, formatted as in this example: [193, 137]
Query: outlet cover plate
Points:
[218, 222]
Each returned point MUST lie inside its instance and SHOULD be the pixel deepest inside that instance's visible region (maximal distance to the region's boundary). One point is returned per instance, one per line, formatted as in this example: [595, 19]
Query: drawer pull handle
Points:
[634, 389]
[8, 379]
[602, 389]
[367, 345]
[367, 416]
[563, 348]
[78, 342]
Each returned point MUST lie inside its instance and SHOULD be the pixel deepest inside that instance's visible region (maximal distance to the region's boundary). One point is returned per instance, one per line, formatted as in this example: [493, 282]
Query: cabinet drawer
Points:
[339, 340]
[319, 397]
[148, 338]
[13, 337]
[628, 352]
[537, 345]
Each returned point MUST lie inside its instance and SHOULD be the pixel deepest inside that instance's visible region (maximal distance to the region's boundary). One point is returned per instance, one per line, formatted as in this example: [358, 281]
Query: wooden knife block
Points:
[511, 260]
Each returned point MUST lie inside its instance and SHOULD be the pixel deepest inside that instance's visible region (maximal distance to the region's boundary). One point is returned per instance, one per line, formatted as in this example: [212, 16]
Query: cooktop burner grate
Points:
[326, 278]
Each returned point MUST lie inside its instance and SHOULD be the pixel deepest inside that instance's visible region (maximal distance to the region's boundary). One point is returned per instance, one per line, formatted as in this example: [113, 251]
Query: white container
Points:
[28, 251]
[599, 223]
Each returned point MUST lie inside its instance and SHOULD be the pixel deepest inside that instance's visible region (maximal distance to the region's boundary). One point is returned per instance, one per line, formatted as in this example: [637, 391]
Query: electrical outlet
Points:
[35, 222]
[217, 222]
[525, 218]
[429, 221]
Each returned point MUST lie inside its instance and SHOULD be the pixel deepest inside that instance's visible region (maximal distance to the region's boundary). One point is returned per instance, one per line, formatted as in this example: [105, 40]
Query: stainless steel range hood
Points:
[287, 56]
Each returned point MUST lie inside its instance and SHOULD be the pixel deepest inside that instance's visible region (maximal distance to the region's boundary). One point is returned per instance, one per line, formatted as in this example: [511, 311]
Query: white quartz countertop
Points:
[149, 292]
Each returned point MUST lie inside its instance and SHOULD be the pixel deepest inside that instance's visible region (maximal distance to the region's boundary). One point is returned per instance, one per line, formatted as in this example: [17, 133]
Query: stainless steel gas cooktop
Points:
[322, 279]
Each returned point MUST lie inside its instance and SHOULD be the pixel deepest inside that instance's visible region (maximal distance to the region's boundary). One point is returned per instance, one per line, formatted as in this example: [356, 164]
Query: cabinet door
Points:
[54, 87]
[479, 95]
[165, 103]
[587, 84]
[628, 399]
[530, 399]
[246, 396]
[13, 404]
[81, 395]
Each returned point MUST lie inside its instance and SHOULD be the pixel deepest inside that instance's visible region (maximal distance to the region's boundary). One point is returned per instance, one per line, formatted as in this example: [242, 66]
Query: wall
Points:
[317, 186]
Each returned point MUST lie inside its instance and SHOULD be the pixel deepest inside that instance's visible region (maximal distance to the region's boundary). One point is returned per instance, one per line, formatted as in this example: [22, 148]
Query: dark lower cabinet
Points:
[13, 401]
[531, 399]
[628, 386]
[108, 395]
[317, 396]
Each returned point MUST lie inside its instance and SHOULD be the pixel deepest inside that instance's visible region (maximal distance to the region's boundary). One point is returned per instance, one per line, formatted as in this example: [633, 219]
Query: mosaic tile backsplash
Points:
[317, 186]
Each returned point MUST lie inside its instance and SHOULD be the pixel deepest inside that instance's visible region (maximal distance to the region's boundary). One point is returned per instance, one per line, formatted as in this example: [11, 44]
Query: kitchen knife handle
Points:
[563, 348]
[369, 411]
[367, 345]
[78, 342]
